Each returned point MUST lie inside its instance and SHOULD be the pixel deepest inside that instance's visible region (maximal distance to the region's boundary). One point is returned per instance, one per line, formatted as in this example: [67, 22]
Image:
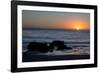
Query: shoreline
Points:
[29, 57]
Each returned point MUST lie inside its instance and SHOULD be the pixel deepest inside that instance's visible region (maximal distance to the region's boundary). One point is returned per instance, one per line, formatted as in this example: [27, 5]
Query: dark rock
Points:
[58, 45]
[68, 48]
[44, 47]
[37, 46]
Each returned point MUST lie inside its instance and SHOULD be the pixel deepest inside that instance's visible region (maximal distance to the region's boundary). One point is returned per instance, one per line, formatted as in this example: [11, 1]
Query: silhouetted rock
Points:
[44, 47]
[37, 46]
[68, 47]
[58, 45]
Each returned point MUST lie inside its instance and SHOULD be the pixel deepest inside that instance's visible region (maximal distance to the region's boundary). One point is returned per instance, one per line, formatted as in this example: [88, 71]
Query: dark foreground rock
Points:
[37, 46]
[59, 45]
[47, 47]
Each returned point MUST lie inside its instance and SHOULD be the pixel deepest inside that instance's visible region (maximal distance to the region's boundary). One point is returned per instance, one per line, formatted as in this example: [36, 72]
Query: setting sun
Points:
[77, 24]
[78, 28]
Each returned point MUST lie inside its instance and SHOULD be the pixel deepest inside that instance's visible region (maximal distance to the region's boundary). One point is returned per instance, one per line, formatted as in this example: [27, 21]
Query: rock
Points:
[68, 48]
[37, 46]
[45, 47]
[58, 45]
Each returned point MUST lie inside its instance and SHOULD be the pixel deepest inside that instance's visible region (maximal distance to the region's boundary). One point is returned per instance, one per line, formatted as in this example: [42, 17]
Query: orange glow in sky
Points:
[77, 24]
[55, 20]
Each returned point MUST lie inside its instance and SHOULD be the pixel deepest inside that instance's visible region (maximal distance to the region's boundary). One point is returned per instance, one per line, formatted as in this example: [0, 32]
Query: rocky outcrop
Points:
[44, 47]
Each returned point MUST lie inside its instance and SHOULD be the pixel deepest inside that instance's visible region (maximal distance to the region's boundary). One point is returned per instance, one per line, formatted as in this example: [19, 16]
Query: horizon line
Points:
[54, 29]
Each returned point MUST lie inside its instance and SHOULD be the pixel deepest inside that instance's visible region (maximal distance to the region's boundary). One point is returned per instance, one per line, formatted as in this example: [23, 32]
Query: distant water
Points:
[73, 38]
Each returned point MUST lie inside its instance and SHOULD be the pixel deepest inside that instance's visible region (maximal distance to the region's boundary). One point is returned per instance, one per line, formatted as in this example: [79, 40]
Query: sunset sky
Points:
[55, 20]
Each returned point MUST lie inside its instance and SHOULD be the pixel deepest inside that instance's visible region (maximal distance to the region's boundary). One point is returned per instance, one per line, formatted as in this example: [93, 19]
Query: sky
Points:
[55, 20]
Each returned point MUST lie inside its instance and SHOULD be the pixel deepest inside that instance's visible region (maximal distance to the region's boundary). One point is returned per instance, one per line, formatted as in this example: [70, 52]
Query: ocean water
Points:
[72, 38]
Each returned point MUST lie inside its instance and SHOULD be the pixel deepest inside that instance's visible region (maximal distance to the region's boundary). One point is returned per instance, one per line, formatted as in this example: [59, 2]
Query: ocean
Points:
[73, 38]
